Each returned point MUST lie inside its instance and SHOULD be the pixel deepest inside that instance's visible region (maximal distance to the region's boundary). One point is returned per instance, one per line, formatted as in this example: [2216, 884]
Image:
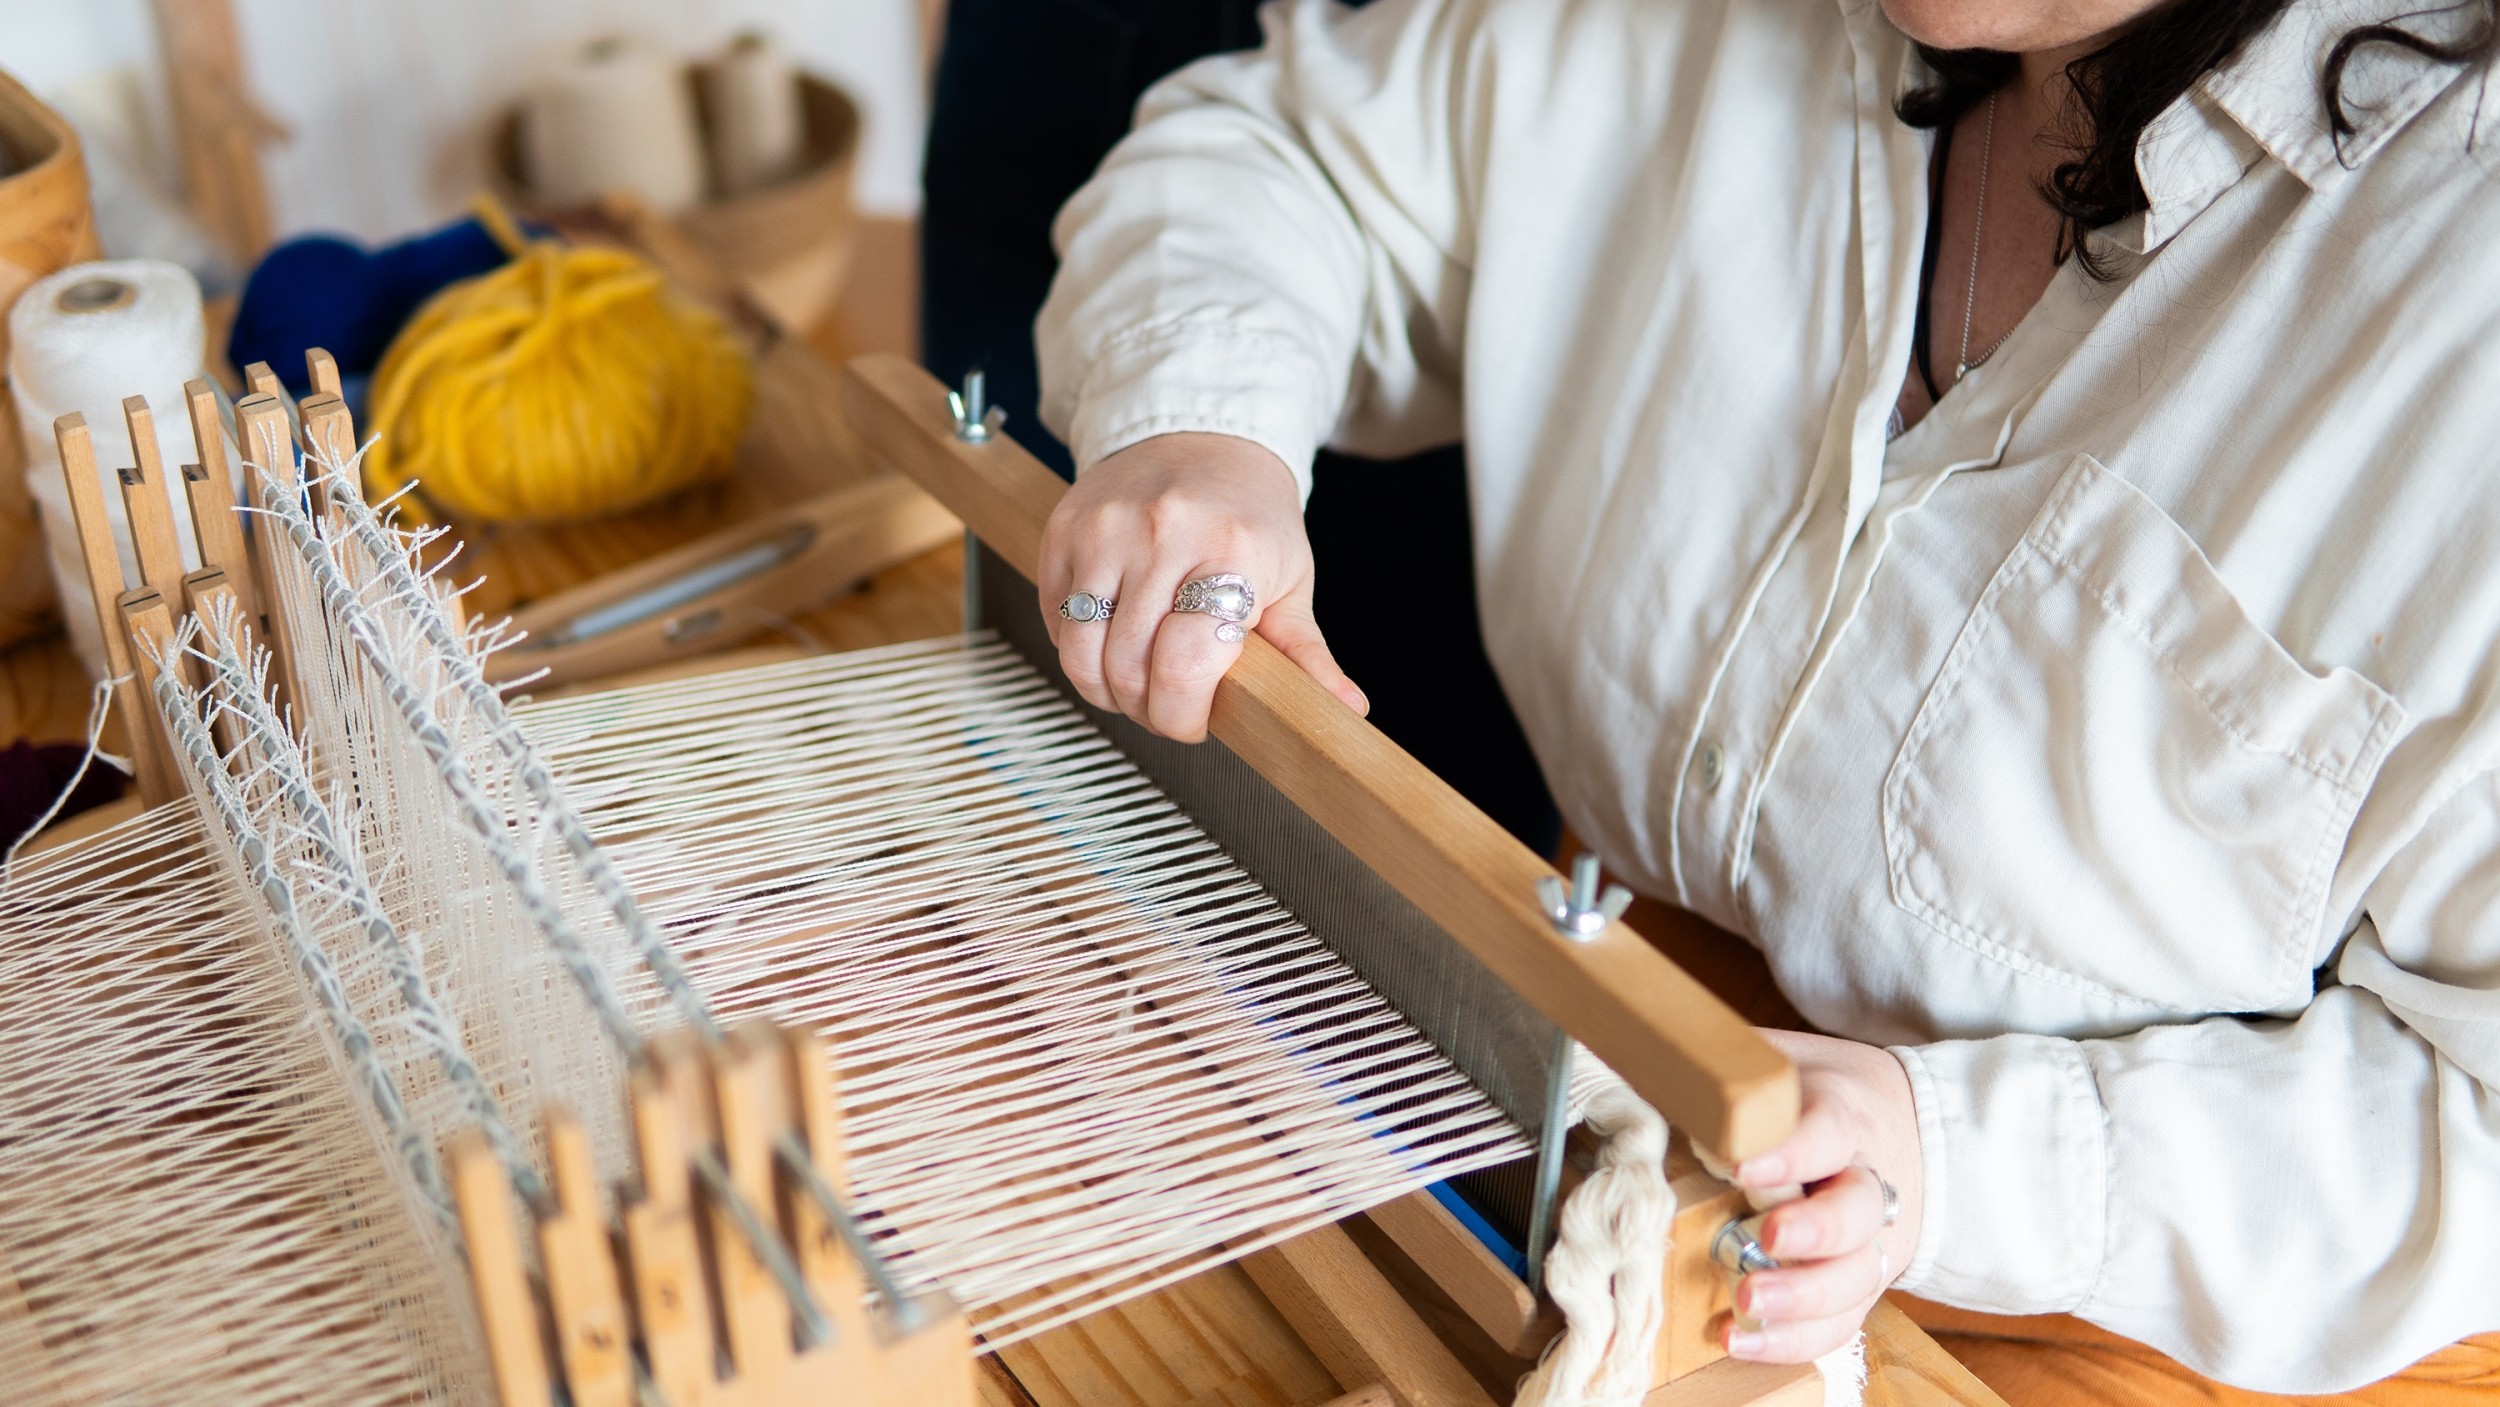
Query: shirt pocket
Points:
[2119, 781]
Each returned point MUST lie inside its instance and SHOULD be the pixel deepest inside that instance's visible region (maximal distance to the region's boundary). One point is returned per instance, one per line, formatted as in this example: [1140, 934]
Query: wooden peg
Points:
[323, 371]
[582, 1284]
[268, 449]
[150, 624]
[212, 598]
[96, 549]
[329, 439]
[150, 510]
[504, 1303]
[824, 1259]
[660, 1238]
[209, 485]
[103, 563]
[261, 381]
[752, 1105]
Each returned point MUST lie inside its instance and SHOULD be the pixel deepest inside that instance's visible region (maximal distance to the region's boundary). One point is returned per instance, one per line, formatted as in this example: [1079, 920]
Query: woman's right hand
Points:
[1158, 513]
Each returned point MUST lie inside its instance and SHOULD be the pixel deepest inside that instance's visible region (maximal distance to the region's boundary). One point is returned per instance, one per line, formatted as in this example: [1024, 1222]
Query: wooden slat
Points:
[103, 563]
[582, 1283]
[1907, 1368]
[1474, 1278]
[1696, 1061]
[1350, 1315]
[209, 486]
[1729, 1383]
[268, 447]
[150, 623]
[501, 1283]
[661, 1240]
[322, 370]
[149, 507]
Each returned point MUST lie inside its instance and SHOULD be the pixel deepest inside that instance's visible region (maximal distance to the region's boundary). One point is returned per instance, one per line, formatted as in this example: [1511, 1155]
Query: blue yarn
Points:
[324, 291]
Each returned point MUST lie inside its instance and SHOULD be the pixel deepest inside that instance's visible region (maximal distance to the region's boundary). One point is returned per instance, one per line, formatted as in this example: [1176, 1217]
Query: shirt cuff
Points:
[1192, 377]
[2015, 1147]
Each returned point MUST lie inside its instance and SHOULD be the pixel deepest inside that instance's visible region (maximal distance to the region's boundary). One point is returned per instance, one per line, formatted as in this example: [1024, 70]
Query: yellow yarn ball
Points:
[570, 383]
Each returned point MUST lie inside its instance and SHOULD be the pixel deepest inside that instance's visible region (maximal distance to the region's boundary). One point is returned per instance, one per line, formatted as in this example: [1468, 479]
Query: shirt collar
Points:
[2265, 101]
[2271, 88]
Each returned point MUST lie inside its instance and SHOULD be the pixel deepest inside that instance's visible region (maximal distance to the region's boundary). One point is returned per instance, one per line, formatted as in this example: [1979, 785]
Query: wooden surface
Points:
[1691, 1057]
[1340, 1304]
[1906, 1368]
[1210, 1341]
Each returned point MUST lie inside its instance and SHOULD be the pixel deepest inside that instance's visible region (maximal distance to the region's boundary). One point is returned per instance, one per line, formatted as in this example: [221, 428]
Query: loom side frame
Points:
[1680, 1047]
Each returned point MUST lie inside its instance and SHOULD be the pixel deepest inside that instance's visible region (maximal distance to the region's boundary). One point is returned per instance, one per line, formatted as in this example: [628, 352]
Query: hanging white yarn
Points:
[1606, 1269]
[80, 340]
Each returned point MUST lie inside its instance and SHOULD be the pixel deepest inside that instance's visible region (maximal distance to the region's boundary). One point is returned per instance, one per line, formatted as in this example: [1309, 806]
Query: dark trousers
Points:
[1030, 96]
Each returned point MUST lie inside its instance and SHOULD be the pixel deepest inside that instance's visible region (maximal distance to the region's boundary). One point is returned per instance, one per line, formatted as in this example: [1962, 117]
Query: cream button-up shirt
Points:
[2119, 743]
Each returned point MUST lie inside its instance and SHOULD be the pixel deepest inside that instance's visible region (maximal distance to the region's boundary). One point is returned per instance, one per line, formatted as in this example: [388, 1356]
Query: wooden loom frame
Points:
[1684, 1051]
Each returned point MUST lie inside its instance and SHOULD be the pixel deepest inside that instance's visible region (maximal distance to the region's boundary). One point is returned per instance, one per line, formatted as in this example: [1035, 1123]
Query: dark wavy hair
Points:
[2122, 86]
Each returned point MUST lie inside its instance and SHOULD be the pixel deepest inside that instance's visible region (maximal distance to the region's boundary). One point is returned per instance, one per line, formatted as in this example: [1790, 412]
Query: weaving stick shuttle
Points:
[1681, 1048]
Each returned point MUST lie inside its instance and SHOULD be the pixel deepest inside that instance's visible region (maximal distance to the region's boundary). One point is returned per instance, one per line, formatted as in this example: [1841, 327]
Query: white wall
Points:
[390, 100]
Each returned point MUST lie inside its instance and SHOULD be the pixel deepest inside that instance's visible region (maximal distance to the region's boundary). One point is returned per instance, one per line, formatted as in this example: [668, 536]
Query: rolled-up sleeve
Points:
[1277, 251]
[2299, 1205]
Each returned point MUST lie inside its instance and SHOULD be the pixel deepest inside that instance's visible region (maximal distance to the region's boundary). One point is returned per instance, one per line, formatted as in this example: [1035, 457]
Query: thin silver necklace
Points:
[1964, 363]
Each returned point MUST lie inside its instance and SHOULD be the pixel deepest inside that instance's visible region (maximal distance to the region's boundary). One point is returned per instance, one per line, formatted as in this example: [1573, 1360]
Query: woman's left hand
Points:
[1836, 1255]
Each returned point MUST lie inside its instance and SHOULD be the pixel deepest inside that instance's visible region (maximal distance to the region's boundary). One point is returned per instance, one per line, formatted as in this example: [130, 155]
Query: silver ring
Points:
[1085, 606]
[1226, 596]
[1892, 1196]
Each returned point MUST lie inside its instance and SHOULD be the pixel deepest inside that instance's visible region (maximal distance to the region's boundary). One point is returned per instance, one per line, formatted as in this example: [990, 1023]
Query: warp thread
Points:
[570, 383]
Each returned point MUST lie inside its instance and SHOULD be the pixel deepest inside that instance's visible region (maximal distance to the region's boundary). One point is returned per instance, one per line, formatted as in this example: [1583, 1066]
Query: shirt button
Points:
[1713, 765]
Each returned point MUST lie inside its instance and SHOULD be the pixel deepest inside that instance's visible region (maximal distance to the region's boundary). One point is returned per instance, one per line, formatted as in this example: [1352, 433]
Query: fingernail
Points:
[1764, 1301]
[1769, 1170]
[1745, 1343]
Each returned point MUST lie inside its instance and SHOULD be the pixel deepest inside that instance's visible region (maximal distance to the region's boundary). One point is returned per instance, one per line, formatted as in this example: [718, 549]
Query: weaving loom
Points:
[894, 1007]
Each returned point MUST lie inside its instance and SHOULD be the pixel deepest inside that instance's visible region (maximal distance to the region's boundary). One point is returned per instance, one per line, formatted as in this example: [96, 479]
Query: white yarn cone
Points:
[751, 96]
[614, 115]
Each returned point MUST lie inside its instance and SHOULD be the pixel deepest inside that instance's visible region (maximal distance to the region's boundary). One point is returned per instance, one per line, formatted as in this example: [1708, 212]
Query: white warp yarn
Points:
[64, 359]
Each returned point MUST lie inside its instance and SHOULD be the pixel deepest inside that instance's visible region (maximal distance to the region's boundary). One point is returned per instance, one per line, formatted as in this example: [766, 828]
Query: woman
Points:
[2032, 573]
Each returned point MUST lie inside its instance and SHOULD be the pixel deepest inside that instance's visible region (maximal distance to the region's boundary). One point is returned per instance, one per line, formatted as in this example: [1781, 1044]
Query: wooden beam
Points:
[1357, 1323]
[1681, 1048]
[218, 126]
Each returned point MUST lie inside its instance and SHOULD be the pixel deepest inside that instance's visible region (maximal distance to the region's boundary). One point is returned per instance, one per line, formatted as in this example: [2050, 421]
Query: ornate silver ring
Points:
[1226, 596]
[1085, 606]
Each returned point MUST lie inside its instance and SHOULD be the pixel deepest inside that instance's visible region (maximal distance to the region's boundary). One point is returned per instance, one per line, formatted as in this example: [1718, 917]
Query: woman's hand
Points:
[1837, 1256]
[1159, 513]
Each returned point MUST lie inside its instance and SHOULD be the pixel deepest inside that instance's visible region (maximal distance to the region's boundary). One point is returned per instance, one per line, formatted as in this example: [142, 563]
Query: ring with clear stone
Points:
[1226, 596]
[1085, 607]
